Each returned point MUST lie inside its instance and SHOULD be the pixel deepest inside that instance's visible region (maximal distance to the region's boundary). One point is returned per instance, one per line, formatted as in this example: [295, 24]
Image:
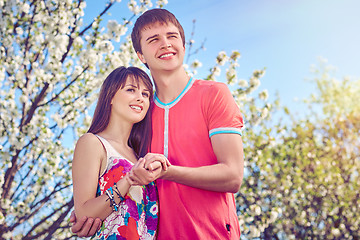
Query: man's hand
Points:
[85, 227]
[139, 175]
[153, 159]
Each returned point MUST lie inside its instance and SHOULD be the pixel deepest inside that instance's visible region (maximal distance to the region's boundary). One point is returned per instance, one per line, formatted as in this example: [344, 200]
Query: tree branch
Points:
[66, 87]
[50, 231]
[35, 104]
[99, 16]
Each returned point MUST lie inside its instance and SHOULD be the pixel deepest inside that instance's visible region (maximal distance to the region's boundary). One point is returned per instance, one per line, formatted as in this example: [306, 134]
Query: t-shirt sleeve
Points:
[224, 115]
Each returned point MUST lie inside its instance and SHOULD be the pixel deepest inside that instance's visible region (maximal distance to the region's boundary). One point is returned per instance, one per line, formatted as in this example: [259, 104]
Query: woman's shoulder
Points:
[89, 140]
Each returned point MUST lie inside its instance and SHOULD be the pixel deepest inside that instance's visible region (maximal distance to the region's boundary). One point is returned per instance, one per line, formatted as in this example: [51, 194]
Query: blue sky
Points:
[285, 36]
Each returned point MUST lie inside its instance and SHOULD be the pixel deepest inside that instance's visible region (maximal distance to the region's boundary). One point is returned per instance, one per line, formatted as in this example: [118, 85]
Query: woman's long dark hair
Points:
[140, 136]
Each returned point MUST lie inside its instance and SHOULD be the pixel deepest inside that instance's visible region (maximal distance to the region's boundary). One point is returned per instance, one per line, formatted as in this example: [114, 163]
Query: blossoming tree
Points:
[51, 66]
[302, 178]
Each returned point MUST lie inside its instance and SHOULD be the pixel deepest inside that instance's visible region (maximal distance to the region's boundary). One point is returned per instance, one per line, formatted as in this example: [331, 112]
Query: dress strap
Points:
[110, 150]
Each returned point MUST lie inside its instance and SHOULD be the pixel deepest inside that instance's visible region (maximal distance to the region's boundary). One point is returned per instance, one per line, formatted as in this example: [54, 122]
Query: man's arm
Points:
[225, 176]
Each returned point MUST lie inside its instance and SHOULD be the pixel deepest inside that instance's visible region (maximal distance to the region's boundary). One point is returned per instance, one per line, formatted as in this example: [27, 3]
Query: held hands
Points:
[152, 161]
[148, 169]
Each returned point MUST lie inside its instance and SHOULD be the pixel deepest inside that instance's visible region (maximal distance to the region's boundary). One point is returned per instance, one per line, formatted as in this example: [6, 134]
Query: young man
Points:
[197, 126]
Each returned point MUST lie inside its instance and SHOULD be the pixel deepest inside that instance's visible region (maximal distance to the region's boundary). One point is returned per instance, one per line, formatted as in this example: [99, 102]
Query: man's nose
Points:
[165, 43]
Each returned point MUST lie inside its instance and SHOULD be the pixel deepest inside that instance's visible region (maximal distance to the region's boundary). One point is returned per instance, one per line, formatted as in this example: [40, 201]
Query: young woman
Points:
[104, 158]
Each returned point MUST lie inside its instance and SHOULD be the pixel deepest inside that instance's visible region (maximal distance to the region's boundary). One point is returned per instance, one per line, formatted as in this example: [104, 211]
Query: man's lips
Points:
[165, 55]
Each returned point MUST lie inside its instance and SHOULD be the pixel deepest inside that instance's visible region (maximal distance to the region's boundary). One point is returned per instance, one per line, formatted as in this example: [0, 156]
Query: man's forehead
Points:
[157, 24]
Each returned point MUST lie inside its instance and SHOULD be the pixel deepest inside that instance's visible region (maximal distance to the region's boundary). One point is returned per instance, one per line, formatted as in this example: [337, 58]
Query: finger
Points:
[77, 227]
[149, 159]
[133, 179]
[87, 226]
[130, 181]
[163, 163]
[140, 163]
[162, 160]
[149, 166]
[168, 162]
[155, 165]
[72, 217]
[94, 228]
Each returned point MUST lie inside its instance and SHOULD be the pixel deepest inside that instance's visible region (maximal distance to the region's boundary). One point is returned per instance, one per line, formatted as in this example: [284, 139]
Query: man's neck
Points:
[169, 86]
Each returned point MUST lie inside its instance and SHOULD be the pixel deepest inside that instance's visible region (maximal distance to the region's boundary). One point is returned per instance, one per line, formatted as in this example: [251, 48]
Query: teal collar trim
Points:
[170, 104]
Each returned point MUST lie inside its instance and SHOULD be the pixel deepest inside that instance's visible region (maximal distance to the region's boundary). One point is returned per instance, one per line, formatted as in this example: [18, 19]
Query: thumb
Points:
[72, 217]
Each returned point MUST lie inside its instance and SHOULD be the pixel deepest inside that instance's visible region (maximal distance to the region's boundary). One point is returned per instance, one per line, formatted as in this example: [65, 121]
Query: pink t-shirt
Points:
[182, 131]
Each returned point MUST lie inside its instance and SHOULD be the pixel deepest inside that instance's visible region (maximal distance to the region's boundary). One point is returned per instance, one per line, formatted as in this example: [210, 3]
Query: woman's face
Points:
[131, 102]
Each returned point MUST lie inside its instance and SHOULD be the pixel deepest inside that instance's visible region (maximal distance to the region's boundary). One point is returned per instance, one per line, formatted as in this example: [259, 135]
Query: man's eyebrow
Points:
[153, 36]
[172, 33]
[156, 35]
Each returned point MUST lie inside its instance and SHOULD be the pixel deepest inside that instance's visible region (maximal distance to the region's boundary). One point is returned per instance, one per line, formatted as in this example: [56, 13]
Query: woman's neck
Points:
[117, 131]
[118, 135]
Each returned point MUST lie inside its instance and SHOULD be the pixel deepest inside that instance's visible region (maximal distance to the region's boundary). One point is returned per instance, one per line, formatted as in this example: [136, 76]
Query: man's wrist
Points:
[165, 175]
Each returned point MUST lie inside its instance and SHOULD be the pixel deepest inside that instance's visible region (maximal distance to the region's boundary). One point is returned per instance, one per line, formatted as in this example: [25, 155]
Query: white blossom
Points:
[263, 95]
[216, 70]
[161, 3]
[254, 81]
[243, 83]
[221, 58]
[273, 216]
[254, 232]
[25, 8]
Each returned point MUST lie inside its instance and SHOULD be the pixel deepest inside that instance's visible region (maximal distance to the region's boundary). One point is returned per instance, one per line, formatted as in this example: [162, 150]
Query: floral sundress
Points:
[137, 217]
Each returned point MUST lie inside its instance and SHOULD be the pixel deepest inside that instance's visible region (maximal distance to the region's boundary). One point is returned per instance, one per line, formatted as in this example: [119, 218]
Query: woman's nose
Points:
[140, 97]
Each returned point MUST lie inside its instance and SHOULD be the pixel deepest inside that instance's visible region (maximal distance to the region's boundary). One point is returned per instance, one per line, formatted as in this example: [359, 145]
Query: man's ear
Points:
[141, 57]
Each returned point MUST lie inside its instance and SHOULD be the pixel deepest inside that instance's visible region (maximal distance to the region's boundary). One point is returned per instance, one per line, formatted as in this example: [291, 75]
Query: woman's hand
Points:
[152, 161]
[139, 175]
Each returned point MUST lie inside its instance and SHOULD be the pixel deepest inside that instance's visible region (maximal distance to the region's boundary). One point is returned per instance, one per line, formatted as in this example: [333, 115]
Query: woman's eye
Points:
[145, 94]
[130, 90]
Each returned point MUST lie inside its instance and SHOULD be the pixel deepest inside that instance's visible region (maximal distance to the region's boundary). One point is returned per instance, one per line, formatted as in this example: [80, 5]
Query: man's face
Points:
[162, 47]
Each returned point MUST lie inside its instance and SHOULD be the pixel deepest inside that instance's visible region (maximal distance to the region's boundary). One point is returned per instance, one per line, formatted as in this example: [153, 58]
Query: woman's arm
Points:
[88, 155]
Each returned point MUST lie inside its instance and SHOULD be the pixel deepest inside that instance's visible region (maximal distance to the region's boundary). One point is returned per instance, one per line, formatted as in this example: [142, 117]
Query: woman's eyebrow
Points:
[131, 85]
